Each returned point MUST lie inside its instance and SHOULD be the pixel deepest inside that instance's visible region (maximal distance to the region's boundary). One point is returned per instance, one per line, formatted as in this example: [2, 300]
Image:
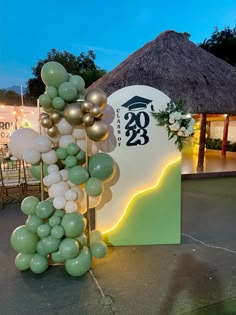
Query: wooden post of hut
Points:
[225, 135]
[202, 142]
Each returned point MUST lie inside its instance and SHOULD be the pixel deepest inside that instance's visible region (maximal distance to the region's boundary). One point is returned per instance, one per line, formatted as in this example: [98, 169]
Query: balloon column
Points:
[57, 230]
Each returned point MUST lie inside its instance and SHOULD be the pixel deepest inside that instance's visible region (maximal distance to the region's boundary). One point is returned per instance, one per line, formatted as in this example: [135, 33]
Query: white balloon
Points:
[92, 148]
[53, 168]
[55, 139]
[55, 178]
[64, 174]
[81, 144]
[31, 156]
[70, 183]
[65, 140]
[50, 194]
[79, 192]
[79, 133]
[20, 140]
[71, 206]
[59, 189]
[49, 157]
[42, 144]
[64, 127]
[59, 202]
[46, 181]
[71, 195]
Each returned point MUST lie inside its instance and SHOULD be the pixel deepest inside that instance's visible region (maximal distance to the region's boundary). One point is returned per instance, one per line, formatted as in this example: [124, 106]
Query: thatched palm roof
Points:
[180, 69]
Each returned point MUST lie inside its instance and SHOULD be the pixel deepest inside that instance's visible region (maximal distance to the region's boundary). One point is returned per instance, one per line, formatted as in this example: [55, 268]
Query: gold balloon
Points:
[52, 132]
[96, 111]
[97, 97]
[98, 131]
[86, 106]
[46, 122]
[55, 117]
[88, 120]
[74, 114]
[43, 115]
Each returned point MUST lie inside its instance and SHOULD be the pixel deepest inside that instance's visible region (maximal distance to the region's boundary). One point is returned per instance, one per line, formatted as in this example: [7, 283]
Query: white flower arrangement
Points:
[178, 123]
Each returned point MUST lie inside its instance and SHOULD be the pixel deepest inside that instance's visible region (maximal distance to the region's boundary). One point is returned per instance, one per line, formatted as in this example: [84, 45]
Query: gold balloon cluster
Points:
[89, 113]
[48, 121]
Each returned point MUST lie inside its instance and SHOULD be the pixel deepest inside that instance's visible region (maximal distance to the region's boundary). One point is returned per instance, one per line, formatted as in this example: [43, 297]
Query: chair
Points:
[12, 181]
[31, 185]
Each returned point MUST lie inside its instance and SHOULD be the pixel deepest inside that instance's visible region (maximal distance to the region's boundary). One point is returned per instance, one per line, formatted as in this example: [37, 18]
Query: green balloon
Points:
[24, 241]
[44, 209]
[54, 220]
[78, 175]
[94, 187]
[45, 100]
[58, 103]
[29, 205]
[79, 265]
[59, 213]
[57, 231]
[78, 82]
[51, 91]
[61, 153]
[99, 249]
[50, 244]
[95, 236]
[82, 239]
[48, 109]
[70, 161]
[101, 166]
[35, 170]
[33, 222]
[81, 157]
[57, 257]
[72, 149]
[38, 263]
[40, 249]
[69, 248]
[53, 74]
[73, 224]
[44, 230]
[67, 91]
[22, 261]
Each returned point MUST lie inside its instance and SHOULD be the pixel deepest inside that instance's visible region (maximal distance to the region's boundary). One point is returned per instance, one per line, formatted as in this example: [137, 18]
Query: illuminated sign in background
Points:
[141, 204]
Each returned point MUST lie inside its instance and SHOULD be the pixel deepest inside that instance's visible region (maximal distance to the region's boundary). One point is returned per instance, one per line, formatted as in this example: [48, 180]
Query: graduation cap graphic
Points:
[137, 103]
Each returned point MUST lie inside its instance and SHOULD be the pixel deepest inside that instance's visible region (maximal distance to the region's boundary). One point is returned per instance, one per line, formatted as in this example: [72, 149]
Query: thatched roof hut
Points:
[180, 69]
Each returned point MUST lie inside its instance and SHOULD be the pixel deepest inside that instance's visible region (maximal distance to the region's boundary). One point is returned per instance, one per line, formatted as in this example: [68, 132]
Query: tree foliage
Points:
[222, 44]
[83, 65]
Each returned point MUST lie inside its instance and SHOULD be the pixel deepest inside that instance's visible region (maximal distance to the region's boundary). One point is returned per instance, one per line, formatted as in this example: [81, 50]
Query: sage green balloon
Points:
[72, 149]
[67, 91]
[50, 244]
[78, 82]
[35, 170]
[59, 213]
[61, 153]
[80, 265]
[29, 205]
[57, 231]
[44, 209]
[69, 248]
[53, 74]
[45, 100]
[48, 109]
[101, 166]
[33, 222]
[99, 249]
[40, 249]
[54, 220]
[58, 103]
[95, 236]
[51, 91]
[38, 263]
[24, 241]
[44, 230]
[82, 239]
[78, 175]
[94, 187]
[70, 161]
[81, 157]
[57, 257]
[73, 224]
[22, 261]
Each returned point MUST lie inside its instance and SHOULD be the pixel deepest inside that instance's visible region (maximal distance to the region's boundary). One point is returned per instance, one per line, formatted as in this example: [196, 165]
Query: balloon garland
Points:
[57, 230]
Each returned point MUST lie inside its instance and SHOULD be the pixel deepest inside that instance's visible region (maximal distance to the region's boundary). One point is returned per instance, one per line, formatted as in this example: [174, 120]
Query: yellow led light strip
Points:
[141, 192]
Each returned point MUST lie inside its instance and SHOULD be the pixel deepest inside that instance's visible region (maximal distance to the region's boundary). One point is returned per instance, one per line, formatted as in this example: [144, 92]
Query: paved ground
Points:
[190, 278]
